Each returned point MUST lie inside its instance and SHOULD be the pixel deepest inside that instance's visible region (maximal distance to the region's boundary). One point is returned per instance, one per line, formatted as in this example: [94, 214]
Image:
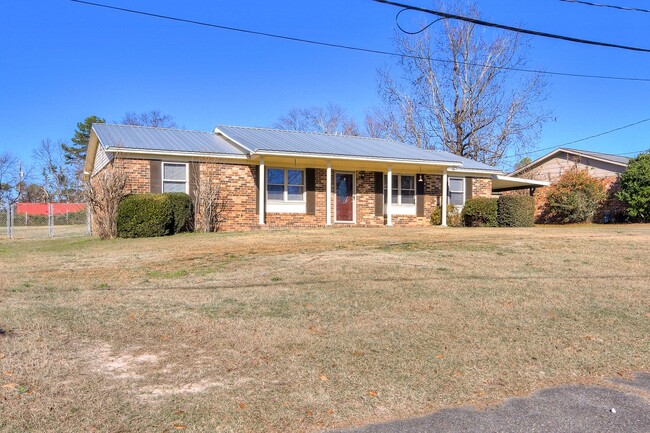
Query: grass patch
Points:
[321, 329]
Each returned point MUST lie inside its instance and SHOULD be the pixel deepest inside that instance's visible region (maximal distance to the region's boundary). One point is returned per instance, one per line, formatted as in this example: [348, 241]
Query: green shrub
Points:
[480, 212]
[453, 216]
[574, 198]
[516, 211]
[181, 210]
[635, 188]
[145, 215]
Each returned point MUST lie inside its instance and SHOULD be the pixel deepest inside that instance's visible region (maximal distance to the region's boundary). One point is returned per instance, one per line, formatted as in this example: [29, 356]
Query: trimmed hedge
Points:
[149, 215]
[516, 211]
[182, 211]
[480, 212]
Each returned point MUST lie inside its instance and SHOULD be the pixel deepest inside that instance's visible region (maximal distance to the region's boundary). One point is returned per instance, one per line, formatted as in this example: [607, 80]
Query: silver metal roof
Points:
[606, 156]
[162, 139]
[242, 141]
[273, 140]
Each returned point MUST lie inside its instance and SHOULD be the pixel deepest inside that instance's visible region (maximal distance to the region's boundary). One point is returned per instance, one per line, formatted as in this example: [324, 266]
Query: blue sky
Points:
[62, 61]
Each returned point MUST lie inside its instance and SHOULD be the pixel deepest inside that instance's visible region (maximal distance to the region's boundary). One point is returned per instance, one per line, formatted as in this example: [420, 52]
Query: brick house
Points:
[553, 165]
[275, 178]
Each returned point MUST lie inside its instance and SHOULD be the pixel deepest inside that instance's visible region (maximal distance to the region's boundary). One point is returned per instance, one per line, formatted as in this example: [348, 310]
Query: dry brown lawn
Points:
[308, 330]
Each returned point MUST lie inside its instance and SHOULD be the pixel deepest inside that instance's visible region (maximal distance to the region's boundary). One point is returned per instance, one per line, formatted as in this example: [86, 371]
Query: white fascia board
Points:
[356, 158]
[461, 170]
[173, 153]
[521, 180]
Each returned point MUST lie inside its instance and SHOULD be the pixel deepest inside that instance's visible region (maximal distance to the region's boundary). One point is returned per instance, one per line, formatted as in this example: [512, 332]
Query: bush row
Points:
[506, 211]
[148, 215]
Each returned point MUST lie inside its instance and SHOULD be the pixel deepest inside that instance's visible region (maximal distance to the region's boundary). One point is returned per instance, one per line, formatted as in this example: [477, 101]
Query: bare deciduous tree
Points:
[152, 118]
[331, 119]
[455, 90]
[58, 179]
[13, 179]
[209, 204]
[103, 193]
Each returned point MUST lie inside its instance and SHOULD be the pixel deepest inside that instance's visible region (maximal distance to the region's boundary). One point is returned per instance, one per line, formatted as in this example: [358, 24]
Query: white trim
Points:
[400, 208]
[174, 153]
[262, 192]
[353, 197]
[356, 158]
[443, 217]
[449, 191]
[285, 186]
[531, 182]
[328, 195]
[274, 206]
[187, 175]
[474, 171]
[389, 202]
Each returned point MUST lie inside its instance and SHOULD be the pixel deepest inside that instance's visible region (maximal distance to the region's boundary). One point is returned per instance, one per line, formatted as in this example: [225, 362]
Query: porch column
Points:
[389, 199]
[262, 195]
[444, 198]
[328, 195]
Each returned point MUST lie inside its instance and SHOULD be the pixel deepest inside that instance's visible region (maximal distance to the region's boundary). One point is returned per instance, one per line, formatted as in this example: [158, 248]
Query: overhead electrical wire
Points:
[352, 48]
[520, 154]
[511, 28]
[602, 5]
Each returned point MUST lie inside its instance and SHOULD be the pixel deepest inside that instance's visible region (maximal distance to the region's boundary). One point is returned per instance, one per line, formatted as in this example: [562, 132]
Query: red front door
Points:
[344, 183]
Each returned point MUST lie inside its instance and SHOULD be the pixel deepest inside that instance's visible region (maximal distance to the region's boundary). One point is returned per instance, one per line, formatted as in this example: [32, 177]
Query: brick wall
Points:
[238, 189]
[138, 174]
[237, 183]
[481, 187]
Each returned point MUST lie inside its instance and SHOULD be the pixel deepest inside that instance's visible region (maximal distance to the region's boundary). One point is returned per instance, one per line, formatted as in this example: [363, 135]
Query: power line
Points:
[353, 48]
[511, 28]
[602, 5]
[520, 154]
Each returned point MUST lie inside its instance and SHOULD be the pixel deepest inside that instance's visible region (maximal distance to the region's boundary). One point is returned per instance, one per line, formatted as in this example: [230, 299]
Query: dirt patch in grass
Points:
[312, 329]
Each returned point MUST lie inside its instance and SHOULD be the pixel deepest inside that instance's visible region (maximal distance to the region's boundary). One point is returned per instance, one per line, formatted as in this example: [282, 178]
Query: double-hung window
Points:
[175, 177]
[456, 191]
[285, 185]
[402, 194]
[403, 189]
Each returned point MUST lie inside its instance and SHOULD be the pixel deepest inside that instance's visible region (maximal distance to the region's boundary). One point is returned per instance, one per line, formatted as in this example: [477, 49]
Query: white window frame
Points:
[449, 191]
[400, 208]
[187, 175]
[285, 205]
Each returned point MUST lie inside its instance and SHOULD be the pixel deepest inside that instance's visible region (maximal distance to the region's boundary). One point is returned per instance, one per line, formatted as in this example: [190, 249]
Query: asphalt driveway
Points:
[623, 407]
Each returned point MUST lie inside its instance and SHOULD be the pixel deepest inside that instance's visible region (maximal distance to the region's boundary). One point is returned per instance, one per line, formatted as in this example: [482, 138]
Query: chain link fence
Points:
[44, 220]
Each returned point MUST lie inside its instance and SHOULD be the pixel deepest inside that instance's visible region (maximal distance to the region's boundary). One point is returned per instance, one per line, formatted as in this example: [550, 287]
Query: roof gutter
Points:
[174, 153]
[355, 158]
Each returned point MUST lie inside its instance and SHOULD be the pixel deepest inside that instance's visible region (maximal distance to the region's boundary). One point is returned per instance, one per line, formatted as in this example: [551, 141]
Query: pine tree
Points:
[75, 153]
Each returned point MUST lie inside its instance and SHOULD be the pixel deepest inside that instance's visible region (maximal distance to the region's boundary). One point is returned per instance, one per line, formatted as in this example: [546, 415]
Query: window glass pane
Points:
[456, 185]
[408, 197]
[408, 182]
[394, 195]
[395, 182]
[173, 186]
[174, 172]
[275, 192]
[294, 177]
[456, 198]
[294, 193]
[276, 176]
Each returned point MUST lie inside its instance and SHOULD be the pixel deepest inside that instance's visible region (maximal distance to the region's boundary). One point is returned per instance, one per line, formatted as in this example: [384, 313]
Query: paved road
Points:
[566, 409]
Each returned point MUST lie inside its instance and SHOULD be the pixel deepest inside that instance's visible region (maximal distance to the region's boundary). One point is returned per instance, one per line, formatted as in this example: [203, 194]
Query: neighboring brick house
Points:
[292, 170]
[552, 166]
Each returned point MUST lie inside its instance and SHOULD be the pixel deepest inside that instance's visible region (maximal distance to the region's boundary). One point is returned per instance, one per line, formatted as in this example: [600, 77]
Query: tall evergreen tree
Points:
[75, 153]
